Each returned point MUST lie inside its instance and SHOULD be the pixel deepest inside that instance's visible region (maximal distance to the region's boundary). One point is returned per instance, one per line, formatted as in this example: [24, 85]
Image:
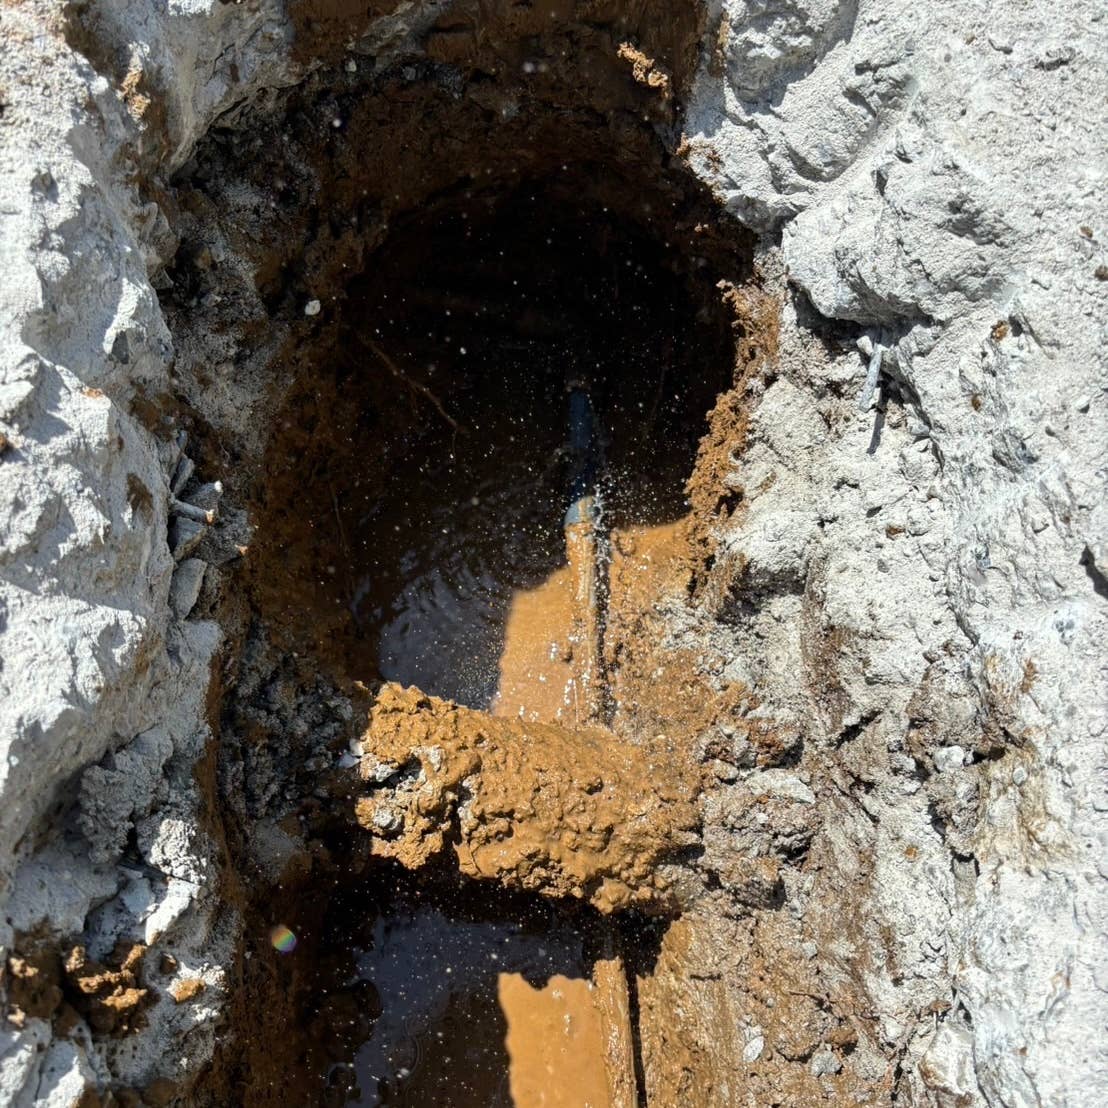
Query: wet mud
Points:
[448, 535]
[407, 993]
[566, 812]
[456, 650]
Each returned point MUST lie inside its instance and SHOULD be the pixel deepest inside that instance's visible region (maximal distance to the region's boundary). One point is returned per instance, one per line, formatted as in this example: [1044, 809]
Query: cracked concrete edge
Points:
[937, 180]
[926, 194]
[97, 670]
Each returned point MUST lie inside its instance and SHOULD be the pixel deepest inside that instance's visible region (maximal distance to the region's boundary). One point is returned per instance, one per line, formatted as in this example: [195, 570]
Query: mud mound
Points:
[534, 806]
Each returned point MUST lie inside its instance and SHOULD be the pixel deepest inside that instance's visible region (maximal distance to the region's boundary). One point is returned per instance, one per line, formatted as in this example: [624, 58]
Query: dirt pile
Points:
[532, 805]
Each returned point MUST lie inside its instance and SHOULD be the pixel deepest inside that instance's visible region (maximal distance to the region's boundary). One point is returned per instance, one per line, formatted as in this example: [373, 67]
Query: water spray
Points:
[583, 550]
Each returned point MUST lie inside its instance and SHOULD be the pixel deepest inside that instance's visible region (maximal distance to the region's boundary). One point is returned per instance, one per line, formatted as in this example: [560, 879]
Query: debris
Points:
[825, 1063]
[191, 511]
[184, 589]
[865, 397]
[187, 989]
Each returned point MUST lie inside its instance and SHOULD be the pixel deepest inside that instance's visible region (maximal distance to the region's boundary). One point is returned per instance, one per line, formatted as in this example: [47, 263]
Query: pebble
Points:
[312, 307]
[184, 588]
[824, 1063]
[724, 771]
[753, 1049]
[385, 819]
[947, 758]
[379, 771]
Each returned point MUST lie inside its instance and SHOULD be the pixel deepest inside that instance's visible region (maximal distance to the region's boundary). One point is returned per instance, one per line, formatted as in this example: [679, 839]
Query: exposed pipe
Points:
[583, 555]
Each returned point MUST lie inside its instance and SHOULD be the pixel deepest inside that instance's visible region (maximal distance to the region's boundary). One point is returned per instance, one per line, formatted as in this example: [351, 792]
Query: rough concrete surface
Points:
[917, 533]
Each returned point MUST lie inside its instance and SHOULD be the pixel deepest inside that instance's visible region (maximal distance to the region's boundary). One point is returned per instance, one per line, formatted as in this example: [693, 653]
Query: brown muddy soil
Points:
[531, 236]
[412, 531]
[569, 812]
[416, 487]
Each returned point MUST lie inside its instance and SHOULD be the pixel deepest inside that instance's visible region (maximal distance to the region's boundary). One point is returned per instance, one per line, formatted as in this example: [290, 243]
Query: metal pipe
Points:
[583, 555]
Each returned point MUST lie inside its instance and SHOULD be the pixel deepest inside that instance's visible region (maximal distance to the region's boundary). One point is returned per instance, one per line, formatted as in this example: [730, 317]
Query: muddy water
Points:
[453, 992]
[471, 518]
[481, 594]
[445, 493]
[565, 1025]
[440, 997]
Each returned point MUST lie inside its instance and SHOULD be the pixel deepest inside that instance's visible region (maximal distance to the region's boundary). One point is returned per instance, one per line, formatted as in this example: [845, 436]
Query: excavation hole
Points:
[413, 528]
[417, 483]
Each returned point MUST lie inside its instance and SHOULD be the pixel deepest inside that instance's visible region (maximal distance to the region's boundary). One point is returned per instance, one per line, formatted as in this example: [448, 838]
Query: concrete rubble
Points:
[922, 554]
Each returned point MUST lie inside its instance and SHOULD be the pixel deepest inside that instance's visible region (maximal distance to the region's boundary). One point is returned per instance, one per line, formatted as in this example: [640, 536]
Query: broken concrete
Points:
[895, 584]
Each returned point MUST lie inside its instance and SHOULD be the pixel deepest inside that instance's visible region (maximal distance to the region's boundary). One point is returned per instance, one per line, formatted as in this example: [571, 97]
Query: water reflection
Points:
[437, 982]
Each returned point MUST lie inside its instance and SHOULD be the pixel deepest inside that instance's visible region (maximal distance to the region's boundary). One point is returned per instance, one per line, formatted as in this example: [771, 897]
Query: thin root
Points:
[416, 387]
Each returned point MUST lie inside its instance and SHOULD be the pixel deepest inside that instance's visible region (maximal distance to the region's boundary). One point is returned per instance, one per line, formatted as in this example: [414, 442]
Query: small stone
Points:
[386, 820]
[825, 1063]
[351, 65]
[783, 785]
[947, 758]
[184, 537]
[379, 772]
[891, 1030]
[1019, 775]
[313, 307]
[724, 771]
[184, 589]
[754, 1047]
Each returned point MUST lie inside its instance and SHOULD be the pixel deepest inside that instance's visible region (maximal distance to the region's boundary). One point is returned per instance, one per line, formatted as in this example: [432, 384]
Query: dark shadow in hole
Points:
[1096, 578]
[403, 1009]
[436, 476]
[640, 941]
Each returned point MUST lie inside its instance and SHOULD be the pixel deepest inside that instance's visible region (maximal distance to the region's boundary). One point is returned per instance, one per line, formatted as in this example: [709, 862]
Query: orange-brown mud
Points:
[536, 806]
[409, 529]
[569, 1040]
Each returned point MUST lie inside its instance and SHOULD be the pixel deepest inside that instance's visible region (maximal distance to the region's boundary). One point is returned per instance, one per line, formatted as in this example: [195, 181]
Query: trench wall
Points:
[914, 572]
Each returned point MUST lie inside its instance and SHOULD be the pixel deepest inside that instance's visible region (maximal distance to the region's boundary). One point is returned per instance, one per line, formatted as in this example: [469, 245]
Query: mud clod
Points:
[533, 806]
[111, 997]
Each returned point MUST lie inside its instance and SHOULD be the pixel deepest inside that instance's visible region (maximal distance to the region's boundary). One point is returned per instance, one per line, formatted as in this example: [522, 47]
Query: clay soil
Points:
[408, 528]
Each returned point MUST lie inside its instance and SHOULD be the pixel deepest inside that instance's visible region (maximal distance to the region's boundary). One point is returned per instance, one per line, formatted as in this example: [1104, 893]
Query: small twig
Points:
[416, 386]
[344, 546]
[338, 523]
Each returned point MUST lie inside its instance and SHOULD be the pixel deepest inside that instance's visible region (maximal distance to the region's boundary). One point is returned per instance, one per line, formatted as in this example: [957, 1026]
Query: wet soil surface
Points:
[433, 460]
[416, 507]
[429, 994]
